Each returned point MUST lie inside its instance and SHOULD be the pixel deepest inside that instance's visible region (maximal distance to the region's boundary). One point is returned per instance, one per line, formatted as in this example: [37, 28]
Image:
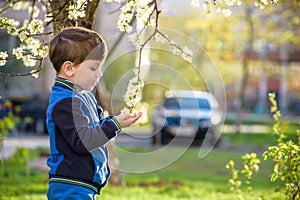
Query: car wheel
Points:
[161, 137]
[166, 137]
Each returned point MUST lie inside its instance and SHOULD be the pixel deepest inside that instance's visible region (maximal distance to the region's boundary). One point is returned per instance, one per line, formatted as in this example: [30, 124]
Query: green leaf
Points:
[274, 177]
[276, 169]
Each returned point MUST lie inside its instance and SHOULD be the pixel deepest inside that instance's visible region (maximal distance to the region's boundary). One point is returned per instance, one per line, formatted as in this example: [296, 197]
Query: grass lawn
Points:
[187, 178]
[192, 178]
[256, 140]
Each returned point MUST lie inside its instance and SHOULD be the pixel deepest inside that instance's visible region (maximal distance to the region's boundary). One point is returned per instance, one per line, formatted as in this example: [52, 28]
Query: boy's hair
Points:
[76, 44]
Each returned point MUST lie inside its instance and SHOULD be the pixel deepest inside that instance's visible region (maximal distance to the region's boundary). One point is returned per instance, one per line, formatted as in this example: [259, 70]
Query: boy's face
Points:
[88, 74]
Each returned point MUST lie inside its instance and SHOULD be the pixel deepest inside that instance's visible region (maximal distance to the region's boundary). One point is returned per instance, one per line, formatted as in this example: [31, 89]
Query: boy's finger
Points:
[138, 115]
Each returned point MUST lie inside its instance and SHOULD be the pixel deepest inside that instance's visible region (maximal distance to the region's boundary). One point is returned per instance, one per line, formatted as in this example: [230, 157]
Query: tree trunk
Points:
[245, 70]
[60, 21]
[103, 99]
[241, 96]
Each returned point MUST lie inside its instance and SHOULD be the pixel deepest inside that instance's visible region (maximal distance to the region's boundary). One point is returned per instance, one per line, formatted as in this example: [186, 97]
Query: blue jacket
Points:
[78, 134]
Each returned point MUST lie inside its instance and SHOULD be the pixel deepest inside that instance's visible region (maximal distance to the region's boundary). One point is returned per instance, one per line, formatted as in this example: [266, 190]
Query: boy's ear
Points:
[68, 68]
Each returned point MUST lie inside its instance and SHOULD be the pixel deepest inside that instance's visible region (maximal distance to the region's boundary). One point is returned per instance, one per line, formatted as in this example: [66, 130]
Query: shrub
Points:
[285, 155]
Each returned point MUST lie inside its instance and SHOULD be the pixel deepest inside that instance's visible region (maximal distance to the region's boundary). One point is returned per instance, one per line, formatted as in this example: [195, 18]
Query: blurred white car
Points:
[187, 114]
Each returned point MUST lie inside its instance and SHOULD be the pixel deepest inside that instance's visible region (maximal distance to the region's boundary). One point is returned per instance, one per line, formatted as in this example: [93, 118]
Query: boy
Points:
[78, 131]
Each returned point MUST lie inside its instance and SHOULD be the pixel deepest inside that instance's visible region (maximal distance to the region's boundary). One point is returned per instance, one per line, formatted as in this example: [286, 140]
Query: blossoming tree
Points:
[46, 17]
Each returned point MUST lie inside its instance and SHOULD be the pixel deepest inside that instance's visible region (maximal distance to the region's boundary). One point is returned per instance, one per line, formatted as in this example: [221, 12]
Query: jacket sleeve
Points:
[110, 118]
[73, 123]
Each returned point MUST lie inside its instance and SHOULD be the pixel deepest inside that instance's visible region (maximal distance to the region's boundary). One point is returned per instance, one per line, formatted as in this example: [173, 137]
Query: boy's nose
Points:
[99, 74]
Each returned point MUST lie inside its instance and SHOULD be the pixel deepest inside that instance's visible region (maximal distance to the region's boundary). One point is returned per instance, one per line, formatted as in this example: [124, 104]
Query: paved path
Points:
[34, 141]
[22, 140]
[31, 140]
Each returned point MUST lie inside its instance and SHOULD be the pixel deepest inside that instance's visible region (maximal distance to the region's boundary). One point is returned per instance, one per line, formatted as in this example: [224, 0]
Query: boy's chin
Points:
[88, 88]
[92, 88]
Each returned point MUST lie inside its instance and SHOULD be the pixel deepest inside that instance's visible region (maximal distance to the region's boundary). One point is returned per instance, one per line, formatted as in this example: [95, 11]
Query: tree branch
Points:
[113, 48]
[156, 11]
[31, 14]
[39, 68]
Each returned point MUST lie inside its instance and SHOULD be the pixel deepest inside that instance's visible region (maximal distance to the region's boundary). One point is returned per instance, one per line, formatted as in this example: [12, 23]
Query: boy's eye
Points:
[94, 68]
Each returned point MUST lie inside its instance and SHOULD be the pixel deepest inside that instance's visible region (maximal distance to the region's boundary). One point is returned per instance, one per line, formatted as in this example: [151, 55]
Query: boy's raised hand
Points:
[126, 120]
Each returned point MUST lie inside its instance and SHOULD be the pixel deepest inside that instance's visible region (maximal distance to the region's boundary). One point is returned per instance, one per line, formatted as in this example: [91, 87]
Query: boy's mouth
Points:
[95, 83]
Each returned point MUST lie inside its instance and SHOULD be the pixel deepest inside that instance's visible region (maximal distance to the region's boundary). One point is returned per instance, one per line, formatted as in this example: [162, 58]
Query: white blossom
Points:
[187, 54]
[233, 2]
[125, 17]
[28, 61]
[262, 3]
[44, 7]
[142, 12]
[3, 57]
[18, 52]
[159, 38]
[123, 22]
[23, 36]
[116, 1]
[135, 39]
[176, 50]
[35, 26]
[125, 111]
[43, 50]
[195, 3]
[134, 92]
[10, 25]
[35, 11]
[21, 5]
[33, 45]
[35, 73]
[77, 10]
[12, 31]
[74, 14]
[48, 18]
[226, 12]
[124, 27]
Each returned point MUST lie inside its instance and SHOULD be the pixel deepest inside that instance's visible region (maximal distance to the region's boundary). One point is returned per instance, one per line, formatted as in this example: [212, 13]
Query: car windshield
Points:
[187, 103]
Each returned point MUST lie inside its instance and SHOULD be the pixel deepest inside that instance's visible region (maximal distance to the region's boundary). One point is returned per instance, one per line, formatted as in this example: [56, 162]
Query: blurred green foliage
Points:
[285, 155]
[7, 119]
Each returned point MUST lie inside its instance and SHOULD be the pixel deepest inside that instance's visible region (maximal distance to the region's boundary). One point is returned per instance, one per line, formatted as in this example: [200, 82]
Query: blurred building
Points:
[287, 64]
[271, 68]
